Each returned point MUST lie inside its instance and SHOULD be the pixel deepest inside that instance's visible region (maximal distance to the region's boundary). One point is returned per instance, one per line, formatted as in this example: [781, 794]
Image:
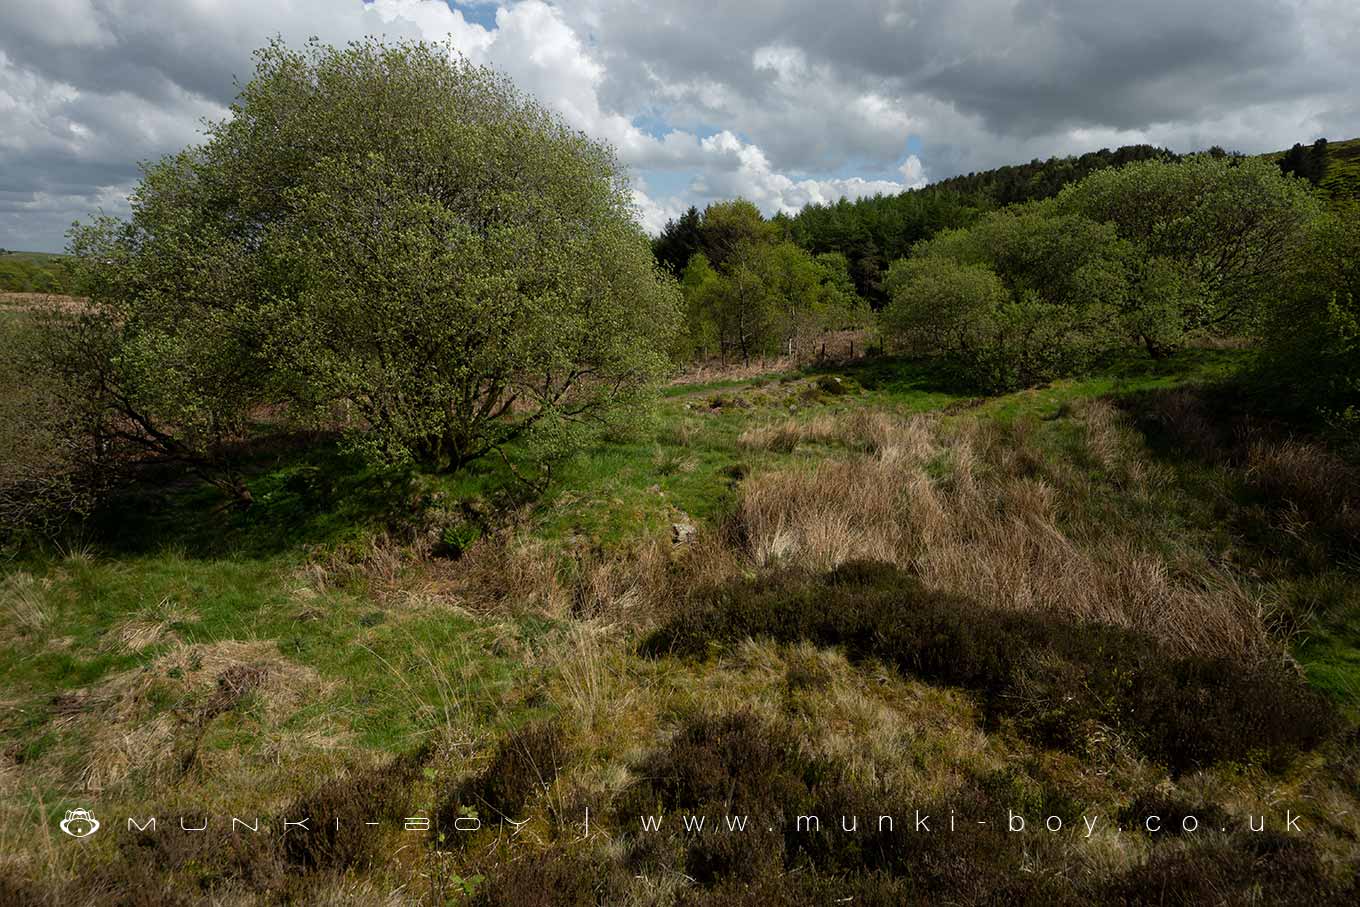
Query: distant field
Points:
[34, 272]
[29, 301]
[1343, 170]
[1342, 180]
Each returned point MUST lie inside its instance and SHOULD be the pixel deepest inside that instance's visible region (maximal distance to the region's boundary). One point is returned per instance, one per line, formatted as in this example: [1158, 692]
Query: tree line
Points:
[20, 273]
[1132, 248]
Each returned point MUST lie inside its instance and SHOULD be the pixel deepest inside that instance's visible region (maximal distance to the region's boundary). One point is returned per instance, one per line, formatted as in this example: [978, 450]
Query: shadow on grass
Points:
[898, 375]
[1291, 502]
[307, 491]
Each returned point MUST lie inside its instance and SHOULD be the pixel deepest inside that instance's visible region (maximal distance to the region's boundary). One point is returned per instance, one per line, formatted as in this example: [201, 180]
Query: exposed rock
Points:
[682, 533]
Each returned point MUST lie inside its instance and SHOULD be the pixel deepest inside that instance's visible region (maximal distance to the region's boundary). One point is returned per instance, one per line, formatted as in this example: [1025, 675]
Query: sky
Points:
[784, 102]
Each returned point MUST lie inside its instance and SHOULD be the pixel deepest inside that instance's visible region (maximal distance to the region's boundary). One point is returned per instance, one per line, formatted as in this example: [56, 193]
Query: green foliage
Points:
[1310, 356]
[46, 474]
[34, 272]
[167, 359]
[1307, 163]
[680, 239]
[1213, 239]
[1023, 296]
[1340, 183]
[1157, 252]
[730, 230]
[940, 304]
[1037, 180]
[871, 232]
[387, 236]
[749, 293]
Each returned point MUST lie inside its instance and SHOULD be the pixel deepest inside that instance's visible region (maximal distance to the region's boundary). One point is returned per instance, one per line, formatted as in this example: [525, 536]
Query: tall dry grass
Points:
[976, 510]
[512, 572]
[966, 505]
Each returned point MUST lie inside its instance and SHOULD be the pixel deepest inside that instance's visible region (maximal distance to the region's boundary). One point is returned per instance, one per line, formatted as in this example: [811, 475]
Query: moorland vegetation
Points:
[380, 466]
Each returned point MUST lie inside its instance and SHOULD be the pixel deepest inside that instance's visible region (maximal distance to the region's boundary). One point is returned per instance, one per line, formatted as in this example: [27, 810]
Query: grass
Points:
[1340, 185]
[447, 631]
[1342, 180]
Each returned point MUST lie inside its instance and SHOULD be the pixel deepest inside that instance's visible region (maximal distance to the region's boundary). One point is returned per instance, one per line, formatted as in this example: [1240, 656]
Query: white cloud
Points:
[913, 172]
[652, 215]
[739, 168]
[777, 100]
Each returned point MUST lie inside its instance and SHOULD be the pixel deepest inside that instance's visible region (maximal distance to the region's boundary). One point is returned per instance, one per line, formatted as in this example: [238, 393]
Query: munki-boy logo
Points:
[79, 823]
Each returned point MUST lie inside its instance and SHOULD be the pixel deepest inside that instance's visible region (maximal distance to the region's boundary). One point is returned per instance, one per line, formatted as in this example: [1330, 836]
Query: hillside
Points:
[424, 643]
[1100, 636]
[1342, 181]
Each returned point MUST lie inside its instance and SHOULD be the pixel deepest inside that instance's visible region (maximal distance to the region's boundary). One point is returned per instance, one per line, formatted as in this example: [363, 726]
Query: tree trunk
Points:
[1155, 350]
[233, 485]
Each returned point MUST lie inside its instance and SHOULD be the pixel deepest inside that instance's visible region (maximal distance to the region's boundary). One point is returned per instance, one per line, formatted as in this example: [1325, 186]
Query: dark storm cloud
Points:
[1024, 69]
[800, 91]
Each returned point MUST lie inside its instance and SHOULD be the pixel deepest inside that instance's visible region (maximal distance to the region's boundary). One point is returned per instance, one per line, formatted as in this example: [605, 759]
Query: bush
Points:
[1056, 680]
[357, 242]
[34, 274]
[1213, 239]
[49, 466]
[739, 764]
[1023, 296]
[1310, 354]
[748, 293]
[1256, 868]
[342, 840]
[525, 763]
[555, 879]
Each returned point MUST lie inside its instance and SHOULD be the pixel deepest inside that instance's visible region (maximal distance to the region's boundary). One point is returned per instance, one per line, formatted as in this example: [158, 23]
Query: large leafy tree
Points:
[1214, 239]
[384, 234]
[752, 292]
[1024, 295]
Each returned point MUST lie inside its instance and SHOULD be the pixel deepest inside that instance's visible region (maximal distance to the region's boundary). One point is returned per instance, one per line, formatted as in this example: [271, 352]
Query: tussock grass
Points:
[784, 436]
[972, 510]
[1038, 510]
[149, 721]
[24, 601]
[1061, 682]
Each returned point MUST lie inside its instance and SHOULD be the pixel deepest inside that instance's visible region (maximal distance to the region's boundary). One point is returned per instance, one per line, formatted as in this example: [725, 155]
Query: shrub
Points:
[1310, 351]
[555, 879]
[748, 293]
[374, 795]
[525, 762]
[1023, 296]
[357, 241]
[1213, 239]
[739, 764]
[1264, 868]
[1054, 678]
[49, 471]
